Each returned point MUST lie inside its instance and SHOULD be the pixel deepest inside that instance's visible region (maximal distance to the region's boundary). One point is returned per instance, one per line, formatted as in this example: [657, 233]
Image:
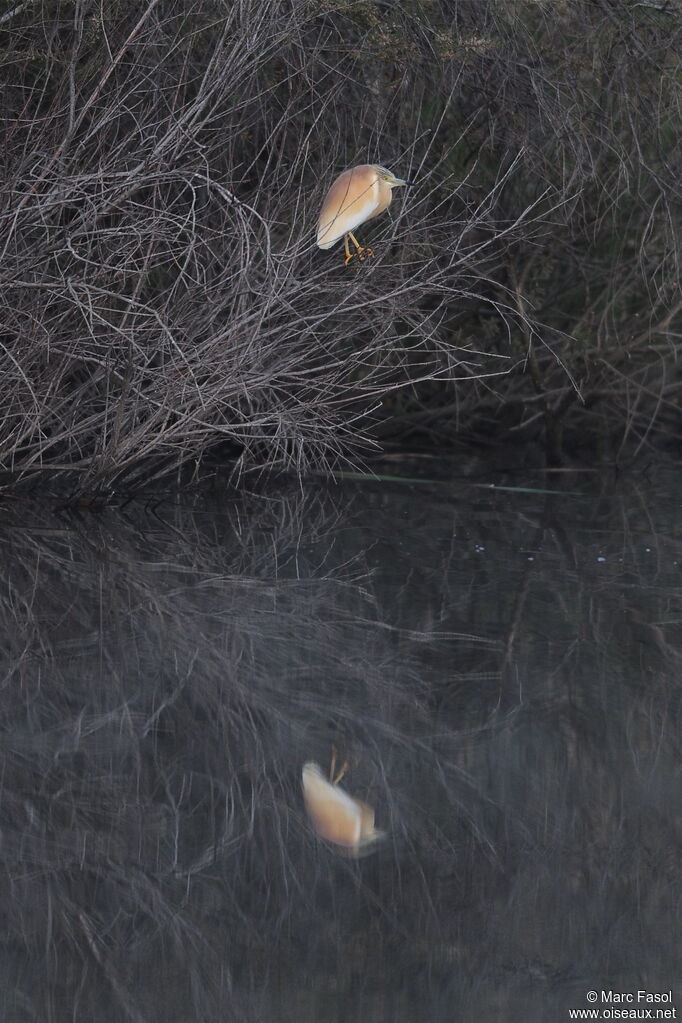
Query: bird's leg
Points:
[363, 251]
[349, 255]
[336, 778]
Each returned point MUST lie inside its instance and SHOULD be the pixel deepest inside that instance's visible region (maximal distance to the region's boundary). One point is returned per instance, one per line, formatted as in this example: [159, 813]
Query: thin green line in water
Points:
[381, 478]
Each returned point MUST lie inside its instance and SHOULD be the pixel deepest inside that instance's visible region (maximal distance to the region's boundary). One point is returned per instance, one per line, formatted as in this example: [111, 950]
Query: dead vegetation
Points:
[163, 165]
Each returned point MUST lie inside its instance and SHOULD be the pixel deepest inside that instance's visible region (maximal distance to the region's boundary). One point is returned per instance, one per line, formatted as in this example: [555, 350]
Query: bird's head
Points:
[389, 177]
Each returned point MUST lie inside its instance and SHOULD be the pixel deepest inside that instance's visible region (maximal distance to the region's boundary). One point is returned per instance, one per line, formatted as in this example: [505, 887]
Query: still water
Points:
[501, 670]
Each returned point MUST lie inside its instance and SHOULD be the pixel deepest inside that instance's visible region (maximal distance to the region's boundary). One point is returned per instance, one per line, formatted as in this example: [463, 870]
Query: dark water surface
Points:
[503, 672]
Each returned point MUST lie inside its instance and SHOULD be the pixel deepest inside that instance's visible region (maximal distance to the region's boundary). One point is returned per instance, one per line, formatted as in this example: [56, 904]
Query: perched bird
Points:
[336, 816]
[358, 194]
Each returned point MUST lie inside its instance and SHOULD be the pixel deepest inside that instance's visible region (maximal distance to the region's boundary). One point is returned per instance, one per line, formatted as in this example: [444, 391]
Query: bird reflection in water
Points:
[337, 817]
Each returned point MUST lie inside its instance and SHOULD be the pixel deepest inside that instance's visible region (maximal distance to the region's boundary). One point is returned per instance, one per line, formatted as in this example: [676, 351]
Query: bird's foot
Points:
[362, 253]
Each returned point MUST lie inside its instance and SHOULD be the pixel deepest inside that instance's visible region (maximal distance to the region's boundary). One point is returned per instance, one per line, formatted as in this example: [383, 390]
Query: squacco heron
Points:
[336, 816]
[357, 195]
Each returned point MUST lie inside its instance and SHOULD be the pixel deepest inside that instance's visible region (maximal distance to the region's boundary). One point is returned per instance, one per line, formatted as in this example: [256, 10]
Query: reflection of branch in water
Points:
[163, 688]
[105, 965]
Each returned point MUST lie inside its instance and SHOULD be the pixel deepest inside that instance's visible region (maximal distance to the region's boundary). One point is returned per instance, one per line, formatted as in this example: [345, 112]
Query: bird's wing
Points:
[348, 204]
[335, 815]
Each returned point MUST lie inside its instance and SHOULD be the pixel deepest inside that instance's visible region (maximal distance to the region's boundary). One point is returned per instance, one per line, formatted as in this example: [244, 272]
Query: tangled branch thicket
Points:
[163, 165]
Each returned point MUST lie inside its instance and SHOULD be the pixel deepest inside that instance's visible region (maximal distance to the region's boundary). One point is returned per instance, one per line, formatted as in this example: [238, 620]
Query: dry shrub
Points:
[164, 163]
